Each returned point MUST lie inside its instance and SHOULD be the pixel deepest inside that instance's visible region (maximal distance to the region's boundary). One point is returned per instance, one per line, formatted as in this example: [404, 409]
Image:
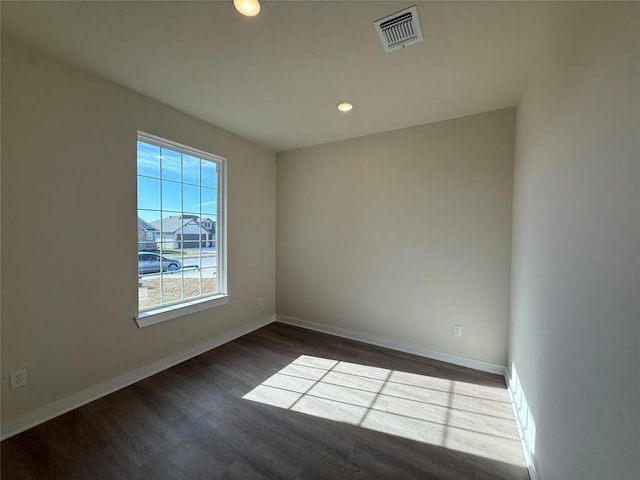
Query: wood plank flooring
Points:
[284, 403]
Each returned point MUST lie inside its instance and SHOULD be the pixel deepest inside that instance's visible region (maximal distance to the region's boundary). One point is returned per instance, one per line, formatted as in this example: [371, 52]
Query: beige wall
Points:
[402, 234]
[69, 282]
[576, 243]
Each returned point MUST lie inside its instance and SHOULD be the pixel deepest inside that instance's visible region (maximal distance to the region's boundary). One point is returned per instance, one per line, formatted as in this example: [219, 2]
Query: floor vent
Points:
[399, 29]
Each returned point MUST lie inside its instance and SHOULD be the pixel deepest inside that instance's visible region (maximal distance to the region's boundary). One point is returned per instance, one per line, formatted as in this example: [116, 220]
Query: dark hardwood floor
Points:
[315, 407]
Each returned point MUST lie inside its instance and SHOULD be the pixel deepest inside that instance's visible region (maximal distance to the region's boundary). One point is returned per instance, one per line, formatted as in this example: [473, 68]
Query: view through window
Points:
[180, 223]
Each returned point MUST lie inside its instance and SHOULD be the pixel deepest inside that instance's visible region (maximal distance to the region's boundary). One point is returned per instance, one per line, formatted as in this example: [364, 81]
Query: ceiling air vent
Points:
[399, 29]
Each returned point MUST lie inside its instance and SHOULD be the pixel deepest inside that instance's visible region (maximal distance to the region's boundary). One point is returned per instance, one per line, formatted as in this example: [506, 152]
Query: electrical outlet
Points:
[260, 302]
[18, 378]
[457, 330]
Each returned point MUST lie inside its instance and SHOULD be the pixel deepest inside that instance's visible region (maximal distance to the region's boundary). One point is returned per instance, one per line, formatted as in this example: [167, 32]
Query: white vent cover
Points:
[399, 29]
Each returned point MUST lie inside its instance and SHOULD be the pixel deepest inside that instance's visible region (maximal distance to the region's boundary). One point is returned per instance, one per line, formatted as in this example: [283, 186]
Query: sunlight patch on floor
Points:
[462, 416]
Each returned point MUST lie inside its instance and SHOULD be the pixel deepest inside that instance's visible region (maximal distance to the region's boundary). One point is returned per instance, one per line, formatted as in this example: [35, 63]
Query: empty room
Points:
[375, 240]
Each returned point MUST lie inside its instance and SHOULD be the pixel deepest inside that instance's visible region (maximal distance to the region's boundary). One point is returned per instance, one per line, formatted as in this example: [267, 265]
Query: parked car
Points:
[154, 263]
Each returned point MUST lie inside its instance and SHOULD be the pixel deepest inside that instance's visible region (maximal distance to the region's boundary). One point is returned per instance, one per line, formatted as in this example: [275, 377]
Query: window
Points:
[178, 188]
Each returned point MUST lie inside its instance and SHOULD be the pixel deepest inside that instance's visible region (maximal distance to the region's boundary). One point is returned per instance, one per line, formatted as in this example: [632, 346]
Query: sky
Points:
[160, 171]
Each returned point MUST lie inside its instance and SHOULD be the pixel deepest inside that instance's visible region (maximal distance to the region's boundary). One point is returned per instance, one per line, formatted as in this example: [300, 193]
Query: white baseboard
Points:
[521, 414]
[52, 410]
[396, 345]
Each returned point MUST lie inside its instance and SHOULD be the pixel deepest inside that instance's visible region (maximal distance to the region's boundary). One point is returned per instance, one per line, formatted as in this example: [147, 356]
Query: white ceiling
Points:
[276, 78]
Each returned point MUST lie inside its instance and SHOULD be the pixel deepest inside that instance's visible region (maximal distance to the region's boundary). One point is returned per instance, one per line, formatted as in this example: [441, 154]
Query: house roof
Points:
[204, 220]
[176, 223]
[146, 226]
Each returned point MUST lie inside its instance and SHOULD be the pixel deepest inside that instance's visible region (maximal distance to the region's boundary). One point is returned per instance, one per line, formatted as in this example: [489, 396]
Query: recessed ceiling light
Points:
[249, 8]
[344, 107]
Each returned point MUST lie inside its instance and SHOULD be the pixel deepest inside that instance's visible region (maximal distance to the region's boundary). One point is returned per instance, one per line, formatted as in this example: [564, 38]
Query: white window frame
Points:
[168, 311]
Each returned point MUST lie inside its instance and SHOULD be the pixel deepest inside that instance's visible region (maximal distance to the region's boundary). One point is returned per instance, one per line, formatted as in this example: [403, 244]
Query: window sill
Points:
[162, 314]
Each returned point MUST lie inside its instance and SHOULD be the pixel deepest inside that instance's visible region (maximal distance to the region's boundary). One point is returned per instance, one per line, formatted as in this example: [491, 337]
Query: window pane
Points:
[209, 259]
[167, 247]
[209, 225]
[150, 216]
[209, 174]
[171, 165]
[148, 291]
[171, 287]
[190, 262]
[148, 160]
[190, 169]
[171, 196]
[209, 280]
[191, 198]
[148, 193]
[192, 283]
[209, 201]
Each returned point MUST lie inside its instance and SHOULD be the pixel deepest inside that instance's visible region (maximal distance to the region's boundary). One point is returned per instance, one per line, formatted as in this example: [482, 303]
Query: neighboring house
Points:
[184, 231]
[210, 226]
[147, 236]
